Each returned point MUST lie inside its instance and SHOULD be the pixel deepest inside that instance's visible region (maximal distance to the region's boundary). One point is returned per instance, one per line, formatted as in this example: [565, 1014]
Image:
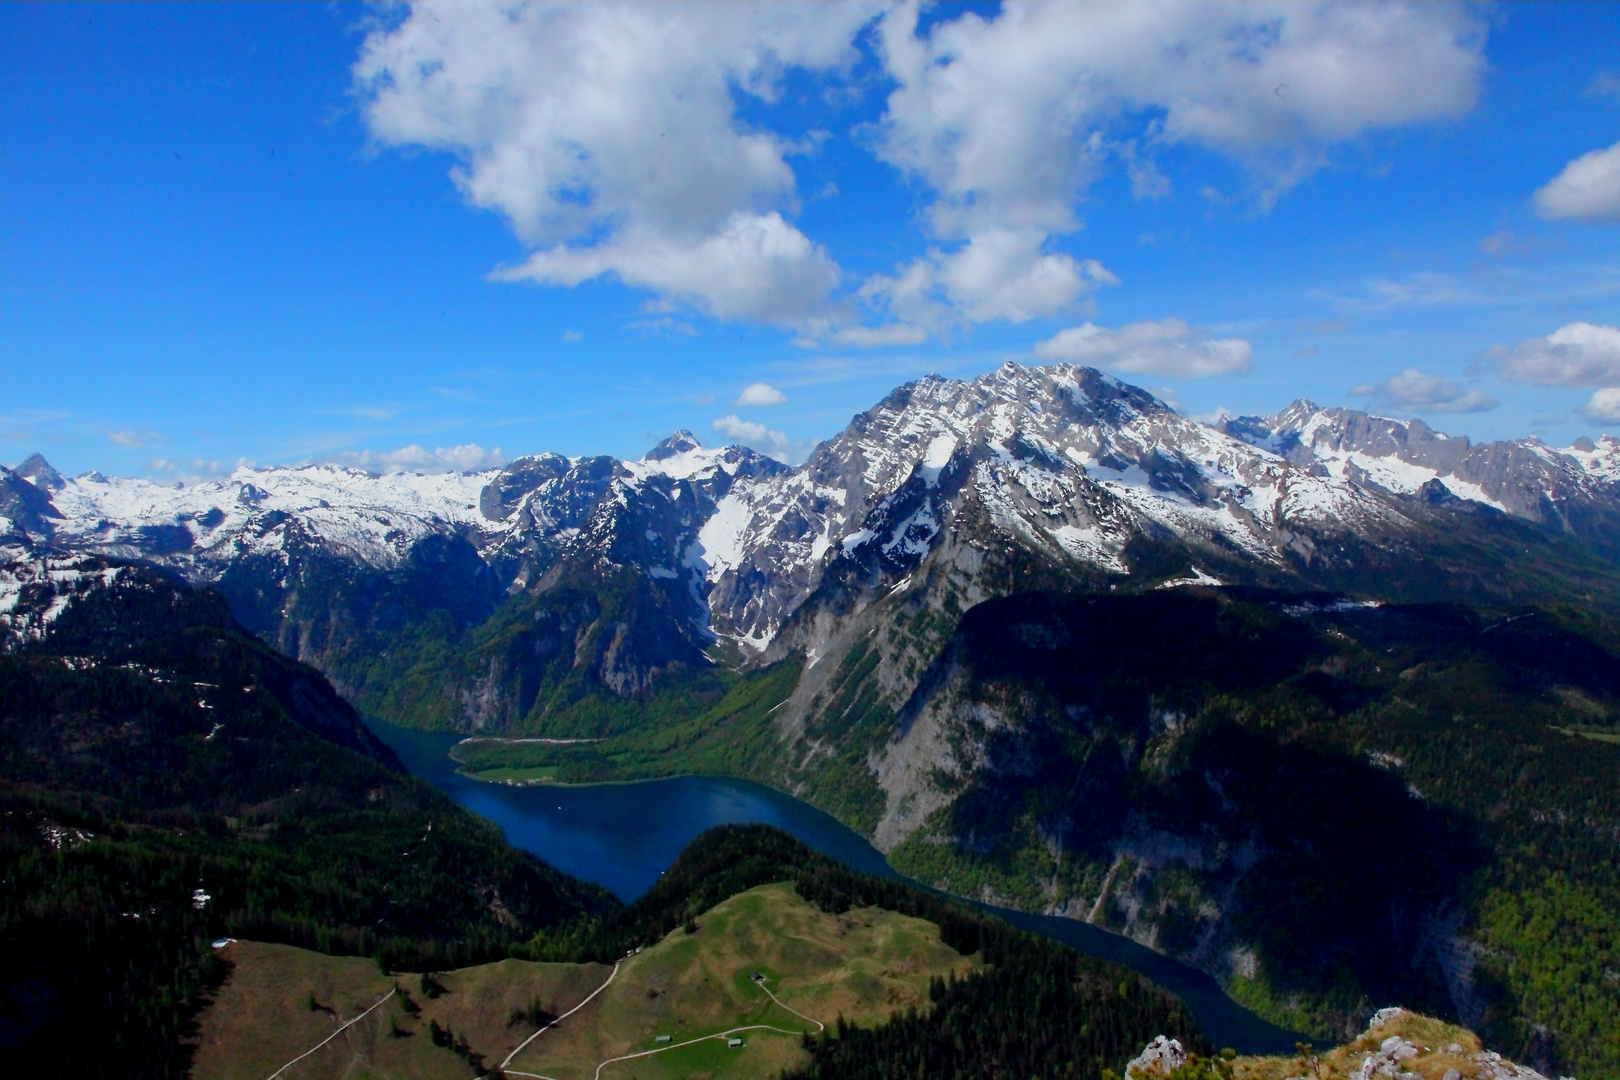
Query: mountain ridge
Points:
[1088, 474]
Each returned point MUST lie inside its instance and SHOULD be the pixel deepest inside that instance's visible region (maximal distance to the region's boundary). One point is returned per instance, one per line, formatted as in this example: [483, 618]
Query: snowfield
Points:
[1067, 461]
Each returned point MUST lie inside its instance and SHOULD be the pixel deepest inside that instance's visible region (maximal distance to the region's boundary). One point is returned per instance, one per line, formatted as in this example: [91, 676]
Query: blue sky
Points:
[447, 235]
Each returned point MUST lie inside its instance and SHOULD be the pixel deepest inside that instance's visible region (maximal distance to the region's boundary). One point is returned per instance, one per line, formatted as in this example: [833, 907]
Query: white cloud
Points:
[872, 337]
[1579, 354]
[757, 266]
[1587, 190]
[1003, 274]
[999, 274]
[1008, 119]
[776, 444]
[1604, 406]
[126, 437]
[194, 470]
[1167, 347]
[607, 136]
[572, 336]
[469, 457]
[760, 393]
[1414, 391]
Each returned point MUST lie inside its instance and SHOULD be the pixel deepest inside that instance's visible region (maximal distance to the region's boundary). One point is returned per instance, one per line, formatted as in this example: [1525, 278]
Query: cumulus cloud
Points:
[1168, 347]
[999, 115]
[1008, 119]
[760, 393]
[607, 135]
[1604, 406]
[1587, 190]
[1414, 391]
[1578, 354]
[469, 457]
[999, 274]
[126, 437]
[755, 266]
[776, 444]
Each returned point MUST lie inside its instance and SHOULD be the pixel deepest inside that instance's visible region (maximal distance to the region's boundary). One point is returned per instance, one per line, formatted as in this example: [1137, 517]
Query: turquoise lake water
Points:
[622, 836]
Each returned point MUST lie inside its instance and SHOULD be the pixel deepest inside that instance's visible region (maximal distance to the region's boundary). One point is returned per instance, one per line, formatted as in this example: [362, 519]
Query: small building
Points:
[662, 1039]
[734, 1042]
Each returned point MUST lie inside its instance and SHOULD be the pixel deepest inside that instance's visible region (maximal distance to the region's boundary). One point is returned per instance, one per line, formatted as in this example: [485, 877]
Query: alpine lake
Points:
[622, 836]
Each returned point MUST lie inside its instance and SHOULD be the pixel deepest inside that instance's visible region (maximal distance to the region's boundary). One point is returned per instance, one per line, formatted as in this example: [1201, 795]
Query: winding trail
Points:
[761, 984]
[673, 1046]
[330, 1037]
[611, 976]
[689, 1042]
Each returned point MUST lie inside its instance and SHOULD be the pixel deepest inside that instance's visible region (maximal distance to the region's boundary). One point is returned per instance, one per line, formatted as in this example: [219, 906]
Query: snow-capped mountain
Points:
[1063, 469]
[1575, 490]
[1066, 462]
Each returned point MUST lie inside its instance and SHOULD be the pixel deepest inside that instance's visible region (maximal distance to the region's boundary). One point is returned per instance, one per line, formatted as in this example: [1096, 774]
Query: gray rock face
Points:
[1064, 468]
[1065, 461]
[34, 467]
[1574, 491]
[26, 511]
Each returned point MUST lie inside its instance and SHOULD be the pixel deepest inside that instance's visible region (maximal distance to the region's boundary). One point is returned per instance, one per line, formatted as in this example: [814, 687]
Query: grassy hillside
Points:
[166, 779]
[902, 967]
[863, 965]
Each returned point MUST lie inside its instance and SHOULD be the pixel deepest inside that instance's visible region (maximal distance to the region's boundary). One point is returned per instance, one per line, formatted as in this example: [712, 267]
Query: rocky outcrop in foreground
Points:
[1397, 1045]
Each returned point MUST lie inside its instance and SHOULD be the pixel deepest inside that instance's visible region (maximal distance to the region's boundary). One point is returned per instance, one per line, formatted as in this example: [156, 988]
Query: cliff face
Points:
[942, 495]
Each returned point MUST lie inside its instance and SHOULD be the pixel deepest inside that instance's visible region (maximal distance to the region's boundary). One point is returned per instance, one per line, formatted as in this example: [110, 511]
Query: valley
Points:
[1320, 704]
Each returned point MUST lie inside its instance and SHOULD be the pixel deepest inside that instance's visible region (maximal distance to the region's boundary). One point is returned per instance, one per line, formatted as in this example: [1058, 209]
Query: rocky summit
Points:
[1061, 467]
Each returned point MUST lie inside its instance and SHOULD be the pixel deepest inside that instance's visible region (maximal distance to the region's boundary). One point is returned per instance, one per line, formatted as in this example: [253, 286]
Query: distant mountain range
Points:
[1064, 468]
[946, 627]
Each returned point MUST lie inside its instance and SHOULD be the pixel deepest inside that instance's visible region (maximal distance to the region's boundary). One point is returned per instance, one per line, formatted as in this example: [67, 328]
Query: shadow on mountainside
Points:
[1291, 791]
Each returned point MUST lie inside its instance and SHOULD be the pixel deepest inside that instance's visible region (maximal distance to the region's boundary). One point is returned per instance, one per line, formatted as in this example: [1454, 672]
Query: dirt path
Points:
[673, 1046]
[761, 984]
[330, 1037]
[611, 976]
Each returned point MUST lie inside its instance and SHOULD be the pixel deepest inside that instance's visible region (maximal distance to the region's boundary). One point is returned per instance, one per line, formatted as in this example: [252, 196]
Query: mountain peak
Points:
[37, 469]
[679, 442]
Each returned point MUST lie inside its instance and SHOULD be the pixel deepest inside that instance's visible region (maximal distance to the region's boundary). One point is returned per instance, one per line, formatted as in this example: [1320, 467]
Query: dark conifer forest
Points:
[166, 780]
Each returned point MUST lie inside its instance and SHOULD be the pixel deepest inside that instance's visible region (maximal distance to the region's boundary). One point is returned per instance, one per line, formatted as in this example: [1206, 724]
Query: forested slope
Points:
[167, 779]
[1328, 804]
